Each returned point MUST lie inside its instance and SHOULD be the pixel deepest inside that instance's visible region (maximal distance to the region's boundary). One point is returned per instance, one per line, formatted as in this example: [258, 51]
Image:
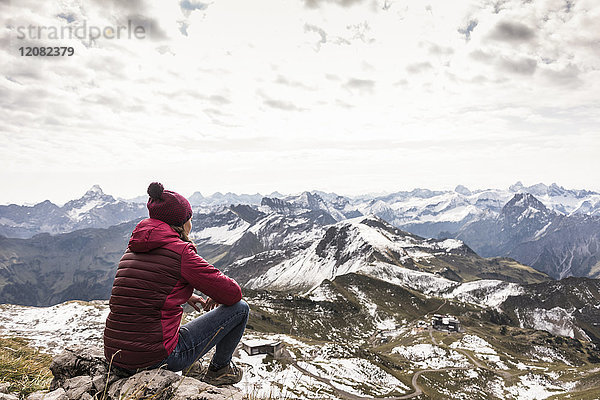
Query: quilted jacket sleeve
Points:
[207, 279]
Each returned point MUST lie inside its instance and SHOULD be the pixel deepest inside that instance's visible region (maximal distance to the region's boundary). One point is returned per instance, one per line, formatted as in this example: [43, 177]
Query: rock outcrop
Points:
[82, 373]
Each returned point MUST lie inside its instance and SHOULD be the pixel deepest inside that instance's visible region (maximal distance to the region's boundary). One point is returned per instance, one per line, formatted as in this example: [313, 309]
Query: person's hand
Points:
[210, 304]
[195, 300]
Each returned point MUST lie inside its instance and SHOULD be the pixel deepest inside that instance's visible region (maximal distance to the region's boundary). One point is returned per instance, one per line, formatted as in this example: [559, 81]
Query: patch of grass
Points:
[24, 368]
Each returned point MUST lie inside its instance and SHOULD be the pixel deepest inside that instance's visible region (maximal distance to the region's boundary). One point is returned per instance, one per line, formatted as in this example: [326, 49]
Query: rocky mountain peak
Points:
[525, 216]
[196, 198]
[539, 189]
[517, 187]
[311, 201]
[94, 197]
[460, 189]
[94, 193]
[276, 204]
[523, 201]
[95, 190]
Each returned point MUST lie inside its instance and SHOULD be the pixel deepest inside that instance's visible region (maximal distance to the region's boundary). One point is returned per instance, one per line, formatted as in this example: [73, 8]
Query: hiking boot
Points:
[225, 376]
[196, 371]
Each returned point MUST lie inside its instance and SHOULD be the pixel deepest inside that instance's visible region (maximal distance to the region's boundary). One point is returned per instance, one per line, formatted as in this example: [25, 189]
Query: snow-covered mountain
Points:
[220, 199]
[370, 246]
[438, 213]
[421, 211]
[569, 307]
[94, 209]
[560, 245]
[442, 213]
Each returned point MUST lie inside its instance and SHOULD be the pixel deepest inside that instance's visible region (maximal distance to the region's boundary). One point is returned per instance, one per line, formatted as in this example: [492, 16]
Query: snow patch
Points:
[473, 343]
[54, 328]
[427, 355]
[485, 292]
[225, 234]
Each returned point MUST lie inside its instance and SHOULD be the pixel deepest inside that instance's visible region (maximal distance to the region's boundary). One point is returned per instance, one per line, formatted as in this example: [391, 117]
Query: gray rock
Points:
[76, 387]
[156, 383]
[114, 391]
[37, 395]
[58, 394]
[193, 389]
[77, 361]
[99, 382]
[6, 396]
[82, 373]
[4, 387]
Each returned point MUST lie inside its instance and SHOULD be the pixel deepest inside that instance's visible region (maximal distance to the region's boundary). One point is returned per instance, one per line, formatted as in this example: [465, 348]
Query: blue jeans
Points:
[223, 327]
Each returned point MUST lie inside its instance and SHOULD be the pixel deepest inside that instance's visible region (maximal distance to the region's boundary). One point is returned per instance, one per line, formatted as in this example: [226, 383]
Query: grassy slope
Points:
[472, 267]
[24, 368]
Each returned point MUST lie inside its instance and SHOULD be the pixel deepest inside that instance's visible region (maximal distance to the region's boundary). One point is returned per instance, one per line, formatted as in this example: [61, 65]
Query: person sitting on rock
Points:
[155, 277]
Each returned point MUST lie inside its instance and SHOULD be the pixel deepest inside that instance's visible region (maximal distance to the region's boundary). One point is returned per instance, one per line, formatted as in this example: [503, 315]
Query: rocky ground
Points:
[81, 373]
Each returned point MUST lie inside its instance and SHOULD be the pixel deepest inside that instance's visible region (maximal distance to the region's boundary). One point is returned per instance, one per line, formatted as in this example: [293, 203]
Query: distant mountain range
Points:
[560, 245]
[93, 210]
[554, 230]
[421, 211]
[49, 269]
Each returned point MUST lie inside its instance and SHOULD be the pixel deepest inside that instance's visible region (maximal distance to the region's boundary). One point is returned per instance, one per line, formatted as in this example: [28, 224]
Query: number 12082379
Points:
[46, 51]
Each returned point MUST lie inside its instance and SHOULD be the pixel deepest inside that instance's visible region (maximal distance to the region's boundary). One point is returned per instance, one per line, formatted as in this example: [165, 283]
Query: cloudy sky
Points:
[351, 96]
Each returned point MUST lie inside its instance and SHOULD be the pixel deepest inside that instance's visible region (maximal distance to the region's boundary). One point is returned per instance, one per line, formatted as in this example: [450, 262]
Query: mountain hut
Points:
[255, 347]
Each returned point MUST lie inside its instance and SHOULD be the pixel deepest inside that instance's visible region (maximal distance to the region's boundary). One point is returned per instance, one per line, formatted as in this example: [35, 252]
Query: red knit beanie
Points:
[167, 206]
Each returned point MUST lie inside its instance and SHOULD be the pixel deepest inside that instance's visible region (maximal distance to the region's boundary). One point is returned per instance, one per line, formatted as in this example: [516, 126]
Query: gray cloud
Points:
[278, 104]
[523, 66]
[568, 76]
[440, 50]
[292, 83]
[219, 100]
[343, 3]
[314, 28]
[281, 105]
[218, 117]
[360, 84]
[418, 67]
[520, 66]
[131, 6]
[214, 111]
[482, 56]
[499, 5]
[512, 32]
[151, 26]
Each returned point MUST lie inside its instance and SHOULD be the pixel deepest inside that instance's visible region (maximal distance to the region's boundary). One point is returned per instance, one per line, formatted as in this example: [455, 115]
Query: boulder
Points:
[193, 389]
[78, 386]
[82, 373]
[157, 383]
[58, 394]
[6, 396]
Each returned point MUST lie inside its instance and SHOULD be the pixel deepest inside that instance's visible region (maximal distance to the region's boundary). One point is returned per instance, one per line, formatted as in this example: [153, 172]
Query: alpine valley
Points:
[350, 286]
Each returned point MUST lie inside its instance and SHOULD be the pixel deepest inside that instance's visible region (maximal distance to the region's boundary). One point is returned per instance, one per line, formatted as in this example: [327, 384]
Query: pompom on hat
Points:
[168, 206]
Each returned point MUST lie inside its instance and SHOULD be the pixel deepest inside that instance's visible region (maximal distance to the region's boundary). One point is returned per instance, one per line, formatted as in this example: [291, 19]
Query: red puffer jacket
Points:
[156, 275]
